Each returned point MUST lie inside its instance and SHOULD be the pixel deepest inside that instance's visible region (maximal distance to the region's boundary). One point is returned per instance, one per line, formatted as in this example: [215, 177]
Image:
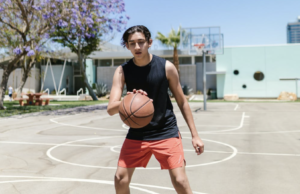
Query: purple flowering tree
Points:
[82, 32]
[24, 28]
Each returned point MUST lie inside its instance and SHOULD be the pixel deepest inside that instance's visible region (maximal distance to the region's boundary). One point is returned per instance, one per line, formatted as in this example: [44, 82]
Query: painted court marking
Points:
[52, 144]
[236, 107]
[58, 179]
[225, 130]
[234, 152]
[136, 186]
[86, 127]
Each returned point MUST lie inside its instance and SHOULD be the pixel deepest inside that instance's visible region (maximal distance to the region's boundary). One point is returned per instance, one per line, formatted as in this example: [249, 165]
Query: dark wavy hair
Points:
[132, 30]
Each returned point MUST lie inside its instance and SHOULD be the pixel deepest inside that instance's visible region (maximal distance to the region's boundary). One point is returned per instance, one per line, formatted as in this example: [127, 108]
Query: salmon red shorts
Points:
[137, 153]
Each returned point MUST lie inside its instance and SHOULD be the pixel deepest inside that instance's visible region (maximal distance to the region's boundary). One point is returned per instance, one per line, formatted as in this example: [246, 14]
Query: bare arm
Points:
[174, 84]
[116, 91]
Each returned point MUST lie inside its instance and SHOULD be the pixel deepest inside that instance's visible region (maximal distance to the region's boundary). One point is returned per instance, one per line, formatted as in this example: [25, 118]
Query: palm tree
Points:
[173, 40]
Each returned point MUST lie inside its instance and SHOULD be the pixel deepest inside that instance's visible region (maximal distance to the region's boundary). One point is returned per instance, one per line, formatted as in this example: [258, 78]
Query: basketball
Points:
[136, 110]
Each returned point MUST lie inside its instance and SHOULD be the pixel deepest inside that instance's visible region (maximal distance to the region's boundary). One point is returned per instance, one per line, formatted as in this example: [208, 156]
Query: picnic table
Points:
[33, 99]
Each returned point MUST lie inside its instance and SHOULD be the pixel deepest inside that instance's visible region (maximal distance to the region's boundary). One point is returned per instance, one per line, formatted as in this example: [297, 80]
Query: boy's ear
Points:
[150, 42]
[127, 45]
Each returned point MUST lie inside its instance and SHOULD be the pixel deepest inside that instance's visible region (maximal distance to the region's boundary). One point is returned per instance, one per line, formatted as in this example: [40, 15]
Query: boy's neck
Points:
[143, 61]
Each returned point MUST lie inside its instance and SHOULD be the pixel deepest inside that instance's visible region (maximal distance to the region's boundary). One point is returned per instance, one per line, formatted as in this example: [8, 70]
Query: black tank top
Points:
[152, 79]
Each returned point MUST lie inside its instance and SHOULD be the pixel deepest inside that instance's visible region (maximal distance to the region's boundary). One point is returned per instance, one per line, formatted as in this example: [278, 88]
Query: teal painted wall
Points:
[275, 62]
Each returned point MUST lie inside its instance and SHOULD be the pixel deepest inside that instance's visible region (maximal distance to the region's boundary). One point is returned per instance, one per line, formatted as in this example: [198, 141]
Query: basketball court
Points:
[249, 148]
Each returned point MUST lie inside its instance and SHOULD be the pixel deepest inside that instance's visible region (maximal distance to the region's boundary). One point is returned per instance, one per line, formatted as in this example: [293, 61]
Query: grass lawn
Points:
[12, 108]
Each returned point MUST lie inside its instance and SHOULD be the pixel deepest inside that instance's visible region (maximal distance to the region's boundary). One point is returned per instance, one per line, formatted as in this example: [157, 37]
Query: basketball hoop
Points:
[199, 47]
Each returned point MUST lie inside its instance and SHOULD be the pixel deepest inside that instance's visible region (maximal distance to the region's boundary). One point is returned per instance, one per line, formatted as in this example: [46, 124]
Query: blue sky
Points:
[243, 22]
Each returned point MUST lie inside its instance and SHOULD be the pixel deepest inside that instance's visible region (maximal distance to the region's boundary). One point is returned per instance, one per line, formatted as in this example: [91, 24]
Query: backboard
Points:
[210, 36]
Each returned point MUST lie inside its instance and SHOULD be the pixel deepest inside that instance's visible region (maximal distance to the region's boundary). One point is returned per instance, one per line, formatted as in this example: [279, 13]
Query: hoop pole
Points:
[204, 80]
[297, 87]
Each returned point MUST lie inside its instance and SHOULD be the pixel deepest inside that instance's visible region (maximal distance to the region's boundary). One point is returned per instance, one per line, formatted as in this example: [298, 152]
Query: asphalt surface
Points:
[250, 148]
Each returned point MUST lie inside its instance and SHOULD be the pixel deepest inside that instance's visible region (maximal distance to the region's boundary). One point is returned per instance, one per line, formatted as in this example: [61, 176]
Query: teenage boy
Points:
[151, 75]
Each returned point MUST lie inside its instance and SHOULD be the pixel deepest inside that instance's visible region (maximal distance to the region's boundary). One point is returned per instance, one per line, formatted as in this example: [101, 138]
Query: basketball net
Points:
[199, 47]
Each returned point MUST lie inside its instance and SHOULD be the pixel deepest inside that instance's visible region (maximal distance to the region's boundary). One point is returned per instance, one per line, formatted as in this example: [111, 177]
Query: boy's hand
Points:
[138, 91]
[198, 145]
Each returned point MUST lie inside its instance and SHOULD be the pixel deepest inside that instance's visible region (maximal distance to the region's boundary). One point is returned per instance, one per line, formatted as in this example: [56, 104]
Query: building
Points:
[258, 71]
[56, 74]
[293, 32]
[248, 71]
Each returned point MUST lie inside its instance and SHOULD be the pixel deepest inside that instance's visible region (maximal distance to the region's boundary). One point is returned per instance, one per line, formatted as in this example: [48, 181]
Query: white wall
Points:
[188, 75]
[57, 71]
[32, 82]
[274, 61]
[105, 75]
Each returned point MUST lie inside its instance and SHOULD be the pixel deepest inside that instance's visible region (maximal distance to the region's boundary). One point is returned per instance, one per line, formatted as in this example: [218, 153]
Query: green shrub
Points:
[101, 89]
[94, 85]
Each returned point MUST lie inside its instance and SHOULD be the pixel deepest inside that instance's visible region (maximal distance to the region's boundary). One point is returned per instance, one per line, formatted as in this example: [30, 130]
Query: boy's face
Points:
[138, 45]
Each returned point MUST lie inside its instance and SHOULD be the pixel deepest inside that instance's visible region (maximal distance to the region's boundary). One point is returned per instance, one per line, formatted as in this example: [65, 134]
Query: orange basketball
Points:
[136, 110]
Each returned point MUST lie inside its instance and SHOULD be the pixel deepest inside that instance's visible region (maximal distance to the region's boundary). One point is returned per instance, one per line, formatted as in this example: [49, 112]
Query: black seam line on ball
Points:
[136, 110]
[131, 104]
[133, 121]
[130, 107]
[143, 116]
[125, 110]
[122, 114]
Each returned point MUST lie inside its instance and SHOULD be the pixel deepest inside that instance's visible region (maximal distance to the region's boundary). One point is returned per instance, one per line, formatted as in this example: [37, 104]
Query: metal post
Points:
[61, 76]
[54, 83]
[45, 73]
[297, 87]
[204, 81]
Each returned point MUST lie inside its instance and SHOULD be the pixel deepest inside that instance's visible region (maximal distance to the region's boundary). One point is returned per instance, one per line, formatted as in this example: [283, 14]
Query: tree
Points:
[173, 40]
[89, 21]
[24, 25]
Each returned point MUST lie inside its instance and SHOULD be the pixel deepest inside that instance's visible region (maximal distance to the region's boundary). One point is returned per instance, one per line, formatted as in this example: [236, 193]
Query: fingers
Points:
[199, 149]
[139, 91]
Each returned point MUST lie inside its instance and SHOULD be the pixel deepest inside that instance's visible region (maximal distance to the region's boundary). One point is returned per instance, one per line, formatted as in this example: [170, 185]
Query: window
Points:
[96, 61]
[57, 62]
[118, 62]
[38, 64]
[185, 60]
[169, 59]
[258, 76]
[200, 59]
[244, 86]
[105, 62]
[76, 67]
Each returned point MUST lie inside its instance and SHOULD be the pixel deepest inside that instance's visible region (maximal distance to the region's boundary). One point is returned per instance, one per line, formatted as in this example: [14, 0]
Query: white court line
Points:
[113, 148]
[40, 179]
[125, 126]
[86, 127]
[148, 168]
[52, 144]
[265, 154]
[236, 107]
[255, 133]
[226, 130]
[212, 126]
